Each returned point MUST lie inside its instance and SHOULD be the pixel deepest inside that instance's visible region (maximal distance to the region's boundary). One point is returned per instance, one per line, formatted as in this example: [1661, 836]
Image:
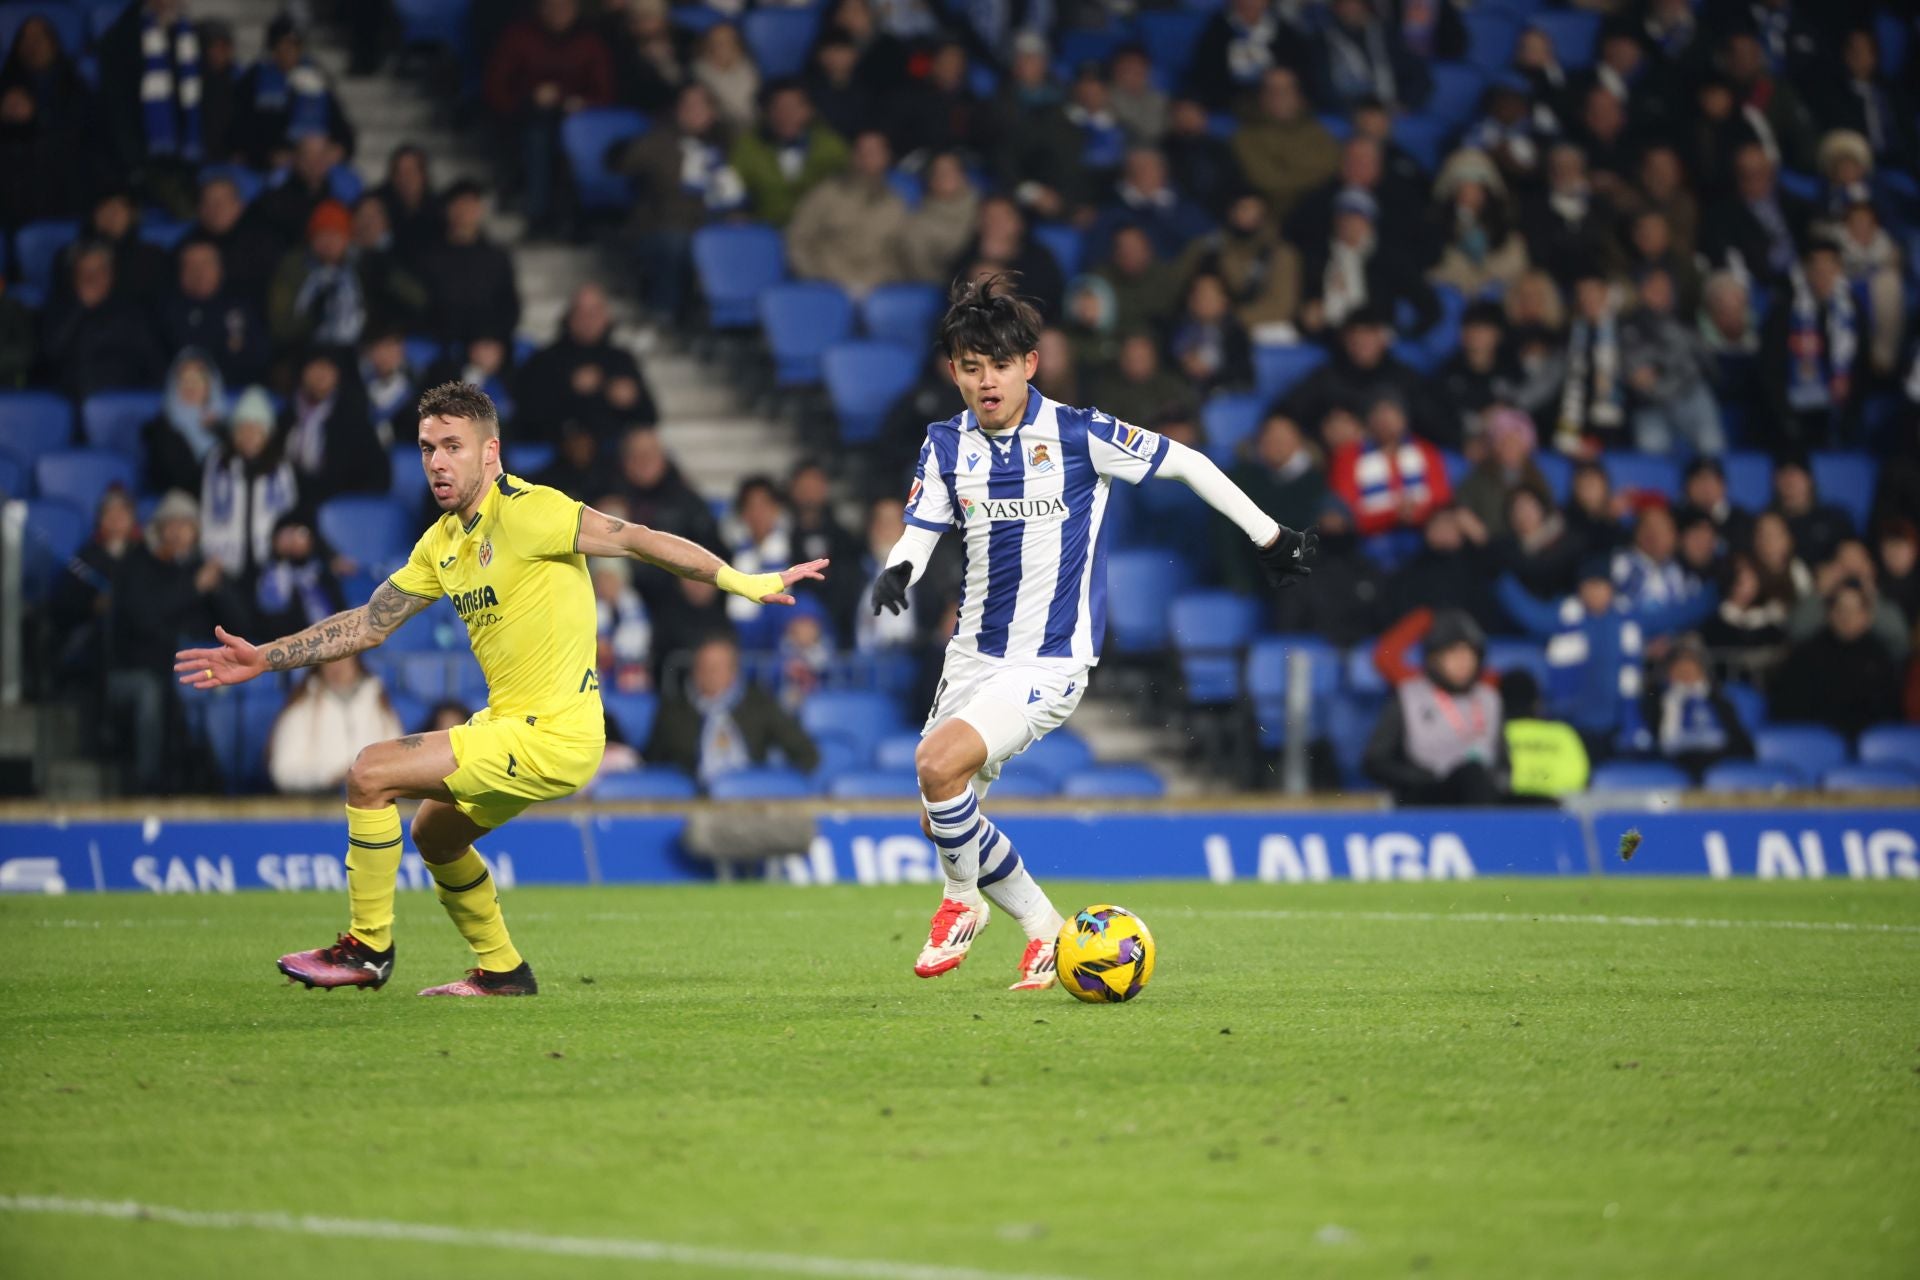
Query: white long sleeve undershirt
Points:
[1189, 466]
[1198, 472]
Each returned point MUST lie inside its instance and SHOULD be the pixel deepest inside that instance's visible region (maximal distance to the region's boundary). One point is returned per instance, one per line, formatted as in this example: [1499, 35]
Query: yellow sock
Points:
[373, 864]
[466, 890]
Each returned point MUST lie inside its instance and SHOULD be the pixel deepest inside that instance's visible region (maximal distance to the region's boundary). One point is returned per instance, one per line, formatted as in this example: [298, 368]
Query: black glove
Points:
[890, 589]
[1290, 556]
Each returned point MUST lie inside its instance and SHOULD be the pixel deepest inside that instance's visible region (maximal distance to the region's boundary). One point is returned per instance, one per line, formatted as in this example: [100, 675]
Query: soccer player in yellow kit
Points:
[512, 556]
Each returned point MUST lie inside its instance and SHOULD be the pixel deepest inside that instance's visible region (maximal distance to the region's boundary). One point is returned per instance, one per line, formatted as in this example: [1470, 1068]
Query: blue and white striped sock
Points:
[1004, 879]
[957, 827]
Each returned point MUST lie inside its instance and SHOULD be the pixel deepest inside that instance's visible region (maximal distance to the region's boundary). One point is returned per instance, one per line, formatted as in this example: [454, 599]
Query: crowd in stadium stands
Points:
[1583, 333]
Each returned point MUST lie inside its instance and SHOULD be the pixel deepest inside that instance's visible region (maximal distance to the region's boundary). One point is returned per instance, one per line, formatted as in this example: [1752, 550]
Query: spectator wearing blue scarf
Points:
[1595, 645]
[282, 96]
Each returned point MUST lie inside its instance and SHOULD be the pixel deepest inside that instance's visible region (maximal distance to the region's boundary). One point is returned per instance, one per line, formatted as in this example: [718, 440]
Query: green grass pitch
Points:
[1339, 1080]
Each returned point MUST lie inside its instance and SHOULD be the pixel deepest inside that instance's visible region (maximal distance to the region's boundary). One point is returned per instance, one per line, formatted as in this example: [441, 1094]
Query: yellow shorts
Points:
[506, 764]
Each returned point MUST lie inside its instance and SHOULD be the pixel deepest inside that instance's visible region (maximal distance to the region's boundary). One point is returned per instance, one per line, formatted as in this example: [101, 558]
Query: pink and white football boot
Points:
[1037, 971]
[955, 925]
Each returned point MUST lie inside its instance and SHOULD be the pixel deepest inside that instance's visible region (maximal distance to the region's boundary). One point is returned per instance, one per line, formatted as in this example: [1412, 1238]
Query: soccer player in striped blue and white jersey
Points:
[1025, 481]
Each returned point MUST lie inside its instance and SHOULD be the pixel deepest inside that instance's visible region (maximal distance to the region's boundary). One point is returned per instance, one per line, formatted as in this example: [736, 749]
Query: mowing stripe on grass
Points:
[303, 1224]
[1516, 917]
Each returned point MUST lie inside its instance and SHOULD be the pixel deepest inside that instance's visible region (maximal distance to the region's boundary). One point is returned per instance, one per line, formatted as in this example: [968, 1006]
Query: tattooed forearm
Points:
[349, 632]
[330, 638]
[389, 607]
[412, 740]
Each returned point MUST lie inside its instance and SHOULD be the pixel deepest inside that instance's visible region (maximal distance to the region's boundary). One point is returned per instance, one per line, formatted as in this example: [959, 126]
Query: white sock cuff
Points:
[955, 814]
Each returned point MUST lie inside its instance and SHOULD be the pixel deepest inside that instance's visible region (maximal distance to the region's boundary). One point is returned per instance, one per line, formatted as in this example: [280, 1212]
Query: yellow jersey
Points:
[516, 577]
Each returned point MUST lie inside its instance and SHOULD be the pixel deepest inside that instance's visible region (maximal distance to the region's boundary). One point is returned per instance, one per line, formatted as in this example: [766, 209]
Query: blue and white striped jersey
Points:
[1031, 503]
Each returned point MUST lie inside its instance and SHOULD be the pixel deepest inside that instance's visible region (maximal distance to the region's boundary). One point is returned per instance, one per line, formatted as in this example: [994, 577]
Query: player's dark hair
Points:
[461, 400]
[987, 318]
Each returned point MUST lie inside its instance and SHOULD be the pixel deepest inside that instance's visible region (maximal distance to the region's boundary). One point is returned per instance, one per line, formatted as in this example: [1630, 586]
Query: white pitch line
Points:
[1515, 917]
[794, 1264]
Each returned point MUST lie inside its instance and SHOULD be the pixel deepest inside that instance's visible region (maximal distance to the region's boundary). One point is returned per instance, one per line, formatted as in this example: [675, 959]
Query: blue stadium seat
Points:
[80, 476]
[164, 233]
[427, 675]
[1359, 673]
[1019, 784]
[1170, 36]
[862, 716]
[1575, 35]
[69, 24]
[1748, 703]
[1870, 777]
[1490, 38]
[779, 39]
[735, 265]
[1558, 469]
[423, 352]
[1846, 480]
[1749, 479]
[469, 681]
[1810, 748]
[33, 423]
[407, 484]
[36, 249]
[1277, 369]
[1753, 775]
[1456, 94]
[370, 530]
[1059, 753]
[800, 320]
[1080, 45]
[1067, 245]
[1350, 718]
[1635, 775]
[1230, 419]
[1268, 660]
[697, 18]
[839, 753]
[112, 419]
[1891, 744]
[1457, 467]
[1139, 585]
[769, 782]
[633, 713]
[1113, 780]
[653, 782]
[907, 186]
[248, 183]
[875, 784]
[1424, 138]
[585, 136]
[1518, 655]
[426, 23]
[16, 479]
[896, 750]
[524, 457]
[864, 380]
[902, 313]
[1643, 471]
[1893, 37]
[55, 530]
[410, 711]
[1209, 630]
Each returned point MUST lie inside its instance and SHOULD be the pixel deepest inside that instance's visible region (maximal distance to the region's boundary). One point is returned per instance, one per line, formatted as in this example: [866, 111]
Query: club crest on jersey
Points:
[913, 495]
[486, 552]
[1038, 460]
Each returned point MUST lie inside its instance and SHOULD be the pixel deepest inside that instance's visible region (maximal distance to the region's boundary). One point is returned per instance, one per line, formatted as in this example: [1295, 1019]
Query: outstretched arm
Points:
[1286, 553]
[348, 632]
[603, 535]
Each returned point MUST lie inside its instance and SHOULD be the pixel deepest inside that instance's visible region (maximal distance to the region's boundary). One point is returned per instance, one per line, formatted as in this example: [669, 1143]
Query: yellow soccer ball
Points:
[1104, 954]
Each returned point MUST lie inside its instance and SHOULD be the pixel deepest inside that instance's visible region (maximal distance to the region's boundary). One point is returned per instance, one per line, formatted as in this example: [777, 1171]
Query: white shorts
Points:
[1011, 705]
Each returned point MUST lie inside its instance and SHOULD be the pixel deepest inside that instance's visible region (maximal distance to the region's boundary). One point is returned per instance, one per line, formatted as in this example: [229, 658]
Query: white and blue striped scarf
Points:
[170, 88]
